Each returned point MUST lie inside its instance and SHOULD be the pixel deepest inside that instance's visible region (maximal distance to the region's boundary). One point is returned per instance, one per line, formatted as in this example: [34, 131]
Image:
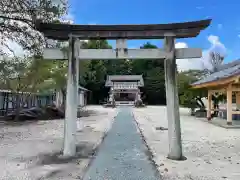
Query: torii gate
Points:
[121, 33]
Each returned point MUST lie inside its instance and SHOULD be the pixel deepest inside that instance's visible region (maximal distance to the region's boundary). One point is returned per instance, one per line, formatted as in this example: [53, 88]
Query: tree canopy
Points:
[50, 75]
[17, 21]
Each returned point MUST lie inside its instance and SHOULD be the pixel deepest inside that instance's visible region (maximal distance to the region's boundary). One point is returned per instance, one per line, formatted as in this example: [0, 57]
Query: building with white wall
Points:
[82, 96]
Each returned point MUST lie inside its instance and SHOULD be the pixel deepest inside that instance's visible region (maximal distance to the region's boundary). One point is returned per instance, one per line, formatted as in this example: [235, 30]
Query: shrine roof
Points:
[124, 78]
[224, 74]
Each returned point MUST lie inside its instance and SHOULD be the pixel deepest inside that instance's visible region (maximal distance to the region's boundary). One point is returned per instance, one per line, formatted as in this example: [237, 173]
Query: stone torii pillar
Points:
[174, 128]
[71, 106]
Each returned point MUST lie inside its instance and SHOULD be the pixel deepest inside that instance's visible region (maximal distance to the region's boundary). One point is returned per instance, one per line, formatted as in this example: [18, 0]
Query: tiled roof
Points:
[224, 71]
[229, 65]
[111, 78]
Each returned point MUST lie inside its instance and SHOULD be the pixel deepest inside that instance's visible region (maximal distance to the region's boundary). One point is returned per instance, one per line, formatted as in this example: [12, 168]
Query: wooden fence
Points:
[8, 100]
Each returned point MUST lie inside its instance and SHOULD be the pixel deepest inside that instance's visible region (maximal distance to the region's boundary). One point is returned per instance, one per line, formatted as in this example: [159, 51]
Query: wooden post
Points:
[229, 104]
[209, 106]
[71, 105]
[174, 130]
[238, 100]
[59, 98]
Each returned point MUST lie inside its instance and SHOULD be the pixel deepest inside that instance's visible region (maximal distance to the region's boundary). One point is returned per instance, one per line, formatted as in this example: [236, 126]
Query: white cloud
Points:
[181, 45]
[68, 18]
[239, 35]
[200, 63]
[217, 45]
[186, 64]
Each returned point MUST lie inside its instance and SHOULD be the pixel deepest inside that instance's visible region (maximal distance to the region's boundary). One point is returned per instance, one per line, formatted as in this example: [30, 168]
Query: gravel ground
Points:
[123, 154]
[31, 151]
[213, 153]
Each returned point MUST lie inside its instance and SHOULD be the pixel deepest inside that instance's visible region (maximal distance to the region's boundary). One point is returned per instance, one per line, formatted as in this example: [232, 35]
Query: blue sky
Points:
[225, 27]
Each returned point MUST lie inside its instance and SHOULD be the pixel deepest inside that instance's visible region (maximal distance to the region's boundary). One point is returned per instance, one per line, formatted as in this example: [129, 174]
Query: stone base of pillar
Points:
[209, 118]
[229, 123]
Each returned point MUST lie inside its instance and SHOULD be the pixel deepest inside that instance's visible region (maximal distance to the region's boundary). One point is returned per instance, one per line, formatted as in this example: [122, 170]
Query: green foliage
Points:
[188, 95]
[50, 75]
[22, 74]
[153, 74]
[93, 73]
[58, 74]
[23, 77]
[18, 19]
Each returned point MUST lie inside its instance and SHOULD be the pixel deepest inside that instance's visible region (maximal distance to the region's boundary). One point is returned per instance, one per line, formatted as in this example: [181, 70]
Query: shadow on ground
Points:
[84, 151]
[81, 113]
[53, 165]
[32, 150]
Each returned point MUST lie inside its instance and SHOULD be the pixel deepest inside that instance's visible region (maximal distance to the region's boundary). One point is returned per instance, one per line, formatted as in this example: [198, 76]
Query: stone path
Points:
[122, 155]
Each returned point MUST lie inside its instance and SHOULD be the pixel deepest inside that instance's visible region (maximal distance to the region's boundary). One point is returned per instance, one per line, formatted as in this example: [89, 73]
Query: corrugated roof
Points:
[224, 71]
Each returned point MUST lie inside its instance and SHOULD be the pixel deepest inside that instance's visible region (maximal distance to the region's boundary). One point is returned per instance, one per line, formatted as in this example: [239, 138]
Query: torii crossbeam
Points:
[168, 32]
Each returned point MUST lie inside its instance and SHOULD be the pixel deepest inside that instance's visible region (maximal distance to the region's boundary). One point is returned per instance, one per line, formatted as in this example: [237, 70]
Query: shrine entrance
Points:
[121, 33]
[124, 89]
[124, 96]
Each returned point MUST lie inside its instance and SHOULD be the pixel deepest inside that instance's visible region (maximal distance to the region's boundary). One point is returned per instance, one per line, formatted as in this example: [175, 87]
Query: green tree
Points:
[95, 72]
[23, 77]
[18, 18]
[189, 97]
[153, 74]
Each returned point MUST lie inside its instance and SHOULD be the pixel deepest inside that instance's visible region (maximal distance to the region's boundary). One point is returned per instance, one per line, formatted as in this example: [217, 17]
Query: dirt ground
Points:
[32, 151]
[213, 153]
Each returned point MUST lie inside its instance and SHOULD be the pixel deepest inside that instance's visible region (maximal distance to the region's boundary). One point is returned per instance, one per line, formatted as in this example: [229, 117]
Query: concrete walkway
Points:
[122, 155]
